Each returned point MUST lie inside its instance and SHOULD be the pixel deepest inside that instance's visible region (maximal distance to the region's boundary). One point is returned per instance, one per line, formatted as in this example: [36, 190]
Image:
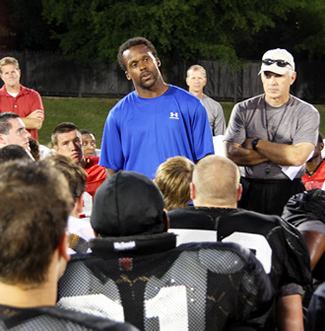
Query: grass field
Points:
[90, 113]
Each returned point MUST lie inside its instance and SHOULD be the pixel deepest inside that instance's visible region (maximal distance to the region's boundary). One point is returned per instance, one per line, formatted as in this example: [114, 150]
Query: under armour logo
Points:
[173, 116]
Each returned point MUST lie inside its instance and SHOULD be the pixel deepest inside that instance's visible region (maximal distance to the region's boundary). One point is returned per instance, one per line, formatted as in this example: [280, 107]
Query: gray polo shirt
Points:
[215, 115]
[295, 122]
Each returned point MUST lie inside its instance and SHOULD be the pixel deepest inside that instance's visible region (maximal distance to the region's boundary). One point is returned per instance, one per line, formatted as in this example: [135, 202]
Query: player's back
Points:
[54, 319]
[278, 245]
[155, 286]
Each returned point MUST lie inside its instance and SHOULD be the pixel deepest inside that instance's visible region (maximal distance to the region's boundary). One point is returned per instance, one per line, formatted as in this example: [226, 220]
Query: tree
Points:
[25, 25]
[191, 29]
[301, 31]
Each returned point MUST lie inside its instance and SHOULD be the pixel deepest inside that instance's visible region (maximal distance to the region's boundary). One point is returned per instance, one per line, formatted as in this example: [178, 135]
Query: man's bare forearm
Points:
[290, 313]
[243, 156]
[284, 154]
[32, 123]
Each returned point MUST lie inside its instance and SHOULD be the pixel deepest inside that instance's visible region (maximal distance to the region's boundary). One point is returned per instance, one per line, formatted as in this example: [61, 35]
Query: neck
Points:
[75, 213]
[312, 165]
[24, 296]
[198, 94]
[13, 88]
[277, 101]
[33, 295]
[158, 89]
[214, 204]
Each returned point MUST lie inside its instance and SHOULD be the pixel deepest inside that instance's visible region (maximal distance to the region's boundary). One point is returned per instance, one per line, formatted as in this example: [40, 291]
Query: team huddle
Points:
[154, 231]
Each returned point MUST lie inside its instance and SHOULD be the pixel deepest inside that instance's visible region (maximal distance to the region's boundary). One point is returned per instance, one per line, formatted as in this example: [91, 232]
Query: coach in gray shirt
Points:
[196, 80]
[270, 133]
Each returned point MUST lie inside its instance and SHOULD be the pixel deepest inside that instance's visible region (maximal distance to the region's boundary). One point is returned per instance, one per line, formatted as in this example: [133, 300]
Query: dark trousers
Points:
[268, 196]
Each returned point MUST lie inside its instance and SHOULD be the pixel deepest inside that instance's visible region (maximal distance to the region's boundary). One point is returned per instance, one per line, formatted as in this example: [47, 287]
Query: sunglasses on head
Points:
[279, 63]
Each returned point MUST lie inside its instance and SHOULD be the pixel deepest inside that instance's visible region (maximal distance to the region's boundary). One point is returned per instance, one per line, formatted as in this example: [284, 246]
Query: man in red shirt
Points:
[314, 176]
[66, 140]
[16, 98]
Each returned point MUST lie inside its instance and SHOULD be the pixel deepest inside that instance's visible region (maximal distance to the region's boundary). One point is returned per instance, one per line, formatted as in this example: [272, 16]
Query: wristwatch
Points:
[254, 143]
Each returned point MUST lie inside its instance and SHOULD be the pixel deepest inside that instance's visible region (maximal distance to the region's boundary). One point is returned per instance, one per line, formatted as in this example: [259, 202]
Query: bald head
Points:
[216, 183]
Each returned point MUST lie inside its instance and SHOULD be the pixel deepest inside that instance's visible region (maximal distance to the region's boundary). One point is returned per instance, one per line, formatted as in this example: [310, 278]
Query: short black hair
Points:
[13, 152]
[5, 126]
[134, 42]
[85, 131]
[62, 128]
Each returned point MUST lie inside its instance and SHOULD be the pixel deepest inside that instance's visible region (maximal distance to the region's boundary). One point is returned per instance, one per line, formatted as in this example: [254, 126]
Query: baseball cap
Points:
[126, 204]
[278, 61]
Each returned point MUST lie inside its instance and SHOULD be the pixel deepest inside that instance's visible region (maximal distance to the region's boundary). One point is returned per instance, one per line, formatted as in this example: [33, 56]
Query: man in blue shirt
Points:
[154, 122]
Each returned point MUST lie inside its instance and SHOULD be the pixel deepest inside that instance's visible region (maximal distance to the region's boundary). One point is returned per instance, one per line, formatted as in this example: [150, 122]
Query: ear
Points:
[63, 247]
[79, 204]
[239, 191]
[293, 77]
[192, 191]
[127, 75]
[3, 139]
[158, 62]
[205, 82]
[187, 81]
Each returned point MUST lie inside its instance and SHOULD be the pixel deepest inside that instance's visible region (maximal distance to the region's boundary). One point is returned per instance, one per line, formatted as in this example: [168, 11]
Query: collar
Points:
[283, 105]
[133, 245]
[23, 90]
[221, 211]
[14, 316]
[90, 161]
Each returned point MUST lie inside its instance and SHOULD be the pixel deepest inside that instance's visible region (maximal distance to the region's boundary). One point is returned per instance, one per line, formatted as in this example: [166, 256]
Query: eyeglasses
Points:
[279, 63]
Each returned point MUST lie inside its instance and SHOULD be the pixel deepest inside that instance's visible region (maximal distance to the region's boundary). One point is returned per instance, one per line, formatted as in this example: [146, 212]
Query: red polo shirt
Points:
[23, 104]
[317, 179]
[96, 174]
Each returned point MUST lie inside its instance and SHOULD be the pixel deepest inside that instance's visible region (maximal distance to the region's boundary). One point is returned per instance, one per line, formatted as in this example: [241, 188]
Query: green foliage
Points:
[26, 25]
[191, 29]
[301, 29]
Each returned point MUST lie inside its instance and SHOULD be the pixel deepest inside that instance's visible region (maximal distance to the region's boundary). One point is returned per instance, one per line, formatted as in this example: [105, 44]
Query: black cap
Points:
[126, 204]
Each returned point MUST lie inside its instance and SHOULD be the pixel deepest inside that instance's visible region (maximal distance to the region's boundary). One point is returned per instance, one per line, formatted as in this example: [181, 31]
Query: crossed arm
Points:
[283, 154]
[34, 120]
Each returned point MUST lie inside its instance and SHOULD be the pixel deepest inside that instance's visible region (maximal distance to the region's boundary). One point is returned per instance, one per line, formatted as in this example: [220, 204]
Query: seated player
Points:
[35, 204]
[136, 269]
[215, 190]
[306, 211]
[66, 140]
[314, 176]
[13, 132]
[173, 178]
[79, 228]
[89, 143]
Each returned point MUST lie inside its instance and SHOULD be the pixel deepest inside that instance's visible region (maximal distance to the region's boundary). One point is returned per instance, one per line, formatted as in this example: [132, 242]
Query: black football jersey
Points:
[54, 319]
[302, 210]
[304, 207]
[278, 245]
[152, 284]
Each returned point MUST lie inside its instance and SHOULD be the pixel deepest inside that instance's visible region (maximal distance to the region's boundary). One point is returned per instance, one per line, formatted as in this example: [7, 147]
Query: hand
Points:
[36, 114]
[34, 120]
[248, 143]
